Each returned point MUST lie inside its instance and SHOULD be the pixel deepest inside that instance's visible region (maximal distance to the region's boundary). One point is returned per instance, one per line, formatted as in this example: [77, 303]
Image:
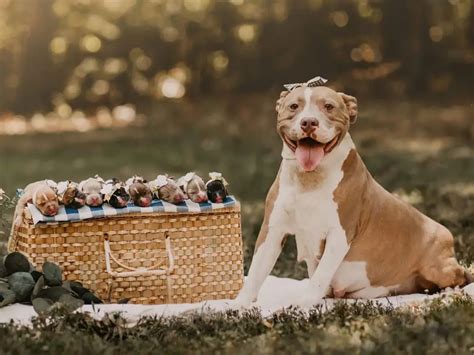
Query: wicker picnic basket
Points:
[151, 258]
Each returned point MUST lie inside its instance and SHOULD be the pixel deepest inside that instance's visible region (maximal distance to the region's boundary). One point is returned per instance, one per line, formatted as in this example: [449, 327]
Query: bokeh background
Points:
[123, 87]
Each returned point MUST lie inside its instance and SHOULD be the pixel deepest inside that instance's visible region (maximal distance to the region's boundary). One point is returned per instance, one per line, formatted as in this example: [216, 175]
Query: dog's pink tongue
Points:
[309, 155]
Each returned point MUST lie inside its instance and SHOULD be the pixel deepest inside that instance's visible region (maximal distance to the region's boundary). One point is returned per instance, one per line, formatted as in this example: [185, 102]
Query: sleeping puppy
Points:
[166, 189]
[91, 188]
[115, 193]
[193, 186]
[216, 188]
[70, 195]
[43, 195]
[139, 191]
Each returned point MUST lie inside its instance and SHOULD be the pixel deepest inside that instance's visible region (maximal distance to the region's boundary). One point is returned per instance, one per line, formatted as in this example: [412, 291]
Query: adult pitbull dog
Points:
[357, 239]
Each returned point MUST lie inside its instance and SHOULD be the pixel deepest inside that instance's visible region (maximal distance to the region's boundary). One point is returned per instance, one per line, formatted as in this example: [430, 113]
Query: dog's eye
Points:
[329, 107]
[293, 107]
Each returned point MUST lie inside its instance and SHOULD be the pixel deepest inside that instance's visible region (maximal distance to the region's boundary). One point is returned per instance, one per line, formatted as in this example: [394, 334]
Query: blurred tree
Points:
[406, 40]
[35, 70]
[67, 55]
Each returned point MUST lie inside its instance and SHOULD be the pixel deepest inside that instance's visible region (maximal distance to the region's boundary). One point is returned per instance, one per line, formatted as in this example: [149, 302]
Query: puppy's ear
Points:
[81, 185]
[280, 100]
[351, 104]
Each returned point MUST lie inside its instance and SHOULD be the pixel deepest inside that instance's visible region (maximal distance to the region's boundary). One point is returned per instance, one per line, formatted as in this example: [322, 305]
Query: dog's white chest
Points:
[312, 207]
[315, 216]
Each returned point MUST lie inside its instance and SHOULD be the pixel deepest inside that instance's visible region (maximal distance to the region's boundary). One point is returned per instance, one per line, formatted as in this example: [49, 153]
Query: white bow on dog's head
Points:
[316, 81]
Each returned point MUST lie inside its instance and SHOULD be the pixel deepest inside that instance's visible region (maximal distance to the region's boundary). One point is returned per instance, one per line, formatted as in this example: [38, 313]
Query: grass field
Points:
[423, 152]
[368, 329]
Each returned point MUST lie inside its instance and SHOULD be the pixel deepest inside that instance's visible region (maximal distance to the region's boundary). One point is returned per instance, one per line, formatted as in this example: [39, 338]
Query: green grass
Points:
[422, 151]
[360, 328]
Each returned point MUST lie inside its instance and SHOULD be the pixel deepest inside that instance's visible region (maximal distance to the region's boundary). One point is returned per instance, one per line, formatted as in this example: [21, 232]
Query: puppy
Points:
[139, 191]
[216, 188]
[43, 195]
[193, 187]
[115, 193]
[166, 189]
[91, 188]
[70, 195]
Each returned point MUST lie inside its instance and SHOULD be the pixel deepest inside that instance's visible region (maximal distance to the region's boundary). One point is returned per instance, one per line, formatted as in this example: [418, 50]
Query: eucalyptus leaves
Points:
[45, 290]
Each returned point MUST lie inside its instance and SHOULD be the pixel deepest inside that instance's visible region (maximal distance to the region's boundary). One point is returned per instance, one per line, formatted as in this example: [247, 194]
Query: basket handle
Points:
[141, 271]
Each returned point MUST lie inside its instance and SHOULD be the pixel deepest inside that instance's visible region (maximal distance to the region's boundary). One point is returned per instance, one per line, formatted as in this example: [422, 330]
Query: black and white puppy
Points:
[115, 193]
[216, 188]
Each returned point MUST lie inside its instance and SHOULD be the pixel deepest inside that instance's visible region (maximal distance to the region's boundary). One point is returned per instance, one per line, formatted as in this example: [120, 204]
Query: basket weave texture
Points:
[151, 258]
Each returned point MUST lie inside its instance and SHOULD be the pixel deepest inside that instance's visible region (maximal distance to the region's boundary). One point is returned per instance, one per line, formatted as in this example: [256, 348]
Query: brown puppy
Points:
[70, 195]
[139, 191]
[42, 195]
[194, 187]
[166, 189]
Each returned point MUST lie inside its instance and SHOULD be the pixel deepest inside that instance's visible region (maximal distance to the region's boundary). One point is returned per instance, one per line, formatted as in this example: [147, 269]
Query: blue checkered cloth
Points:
[86, 212]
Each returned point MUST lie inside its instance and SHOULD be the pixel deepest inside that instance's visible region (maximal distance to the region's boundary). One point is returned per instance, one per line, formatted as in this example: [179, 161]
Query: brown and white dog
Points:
[357, 239]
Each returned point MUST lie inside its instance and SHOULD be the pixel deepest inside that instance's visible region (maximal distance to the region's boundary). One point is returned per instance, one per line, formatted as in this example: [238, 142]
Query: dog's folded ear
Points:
[351, 104]
[280, 100]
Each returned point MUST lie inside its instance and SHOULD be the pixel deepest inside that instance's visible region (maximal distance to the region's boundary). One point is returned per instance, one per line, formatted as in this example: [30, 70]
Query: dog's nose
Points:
[309, 124]
[202, 197]
[145, 202]
[178, 198]
[52, 210]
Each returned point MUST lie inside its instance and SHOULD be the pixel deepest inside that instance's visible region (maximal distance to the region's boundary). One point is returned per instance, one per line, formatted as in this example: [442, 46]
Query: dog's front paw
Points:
[307, 301]
[235, 305]
[241, 303]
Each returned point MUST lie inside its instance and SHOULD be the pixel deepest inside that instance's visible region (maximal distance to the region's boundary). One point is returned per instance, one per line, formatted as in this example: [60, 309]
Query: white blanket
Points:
[276, 293]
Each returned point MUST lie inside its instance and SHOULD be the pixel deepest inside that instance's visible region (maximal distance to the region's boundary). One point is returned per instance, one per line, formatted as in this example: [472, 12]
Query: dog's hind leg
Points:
[442, 268]
[446, 273]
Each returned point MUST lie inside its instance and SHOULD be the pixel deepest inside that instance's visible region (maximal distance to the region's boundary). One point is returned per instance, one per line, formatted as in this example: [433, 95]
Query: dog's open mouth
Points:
[309, 152]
